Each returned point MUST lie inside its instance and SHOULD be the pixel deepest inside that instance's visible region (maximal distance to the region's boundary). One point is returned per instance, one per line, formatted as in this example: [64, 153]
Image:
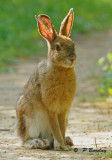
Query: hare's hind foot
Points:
[38, 144]
[69, 141]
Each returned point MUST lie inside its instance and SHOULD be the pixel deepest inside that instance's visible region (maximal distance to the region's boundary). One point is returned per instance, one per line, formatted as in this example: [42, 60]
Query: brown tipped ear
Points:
[66, 24]
[45, 27]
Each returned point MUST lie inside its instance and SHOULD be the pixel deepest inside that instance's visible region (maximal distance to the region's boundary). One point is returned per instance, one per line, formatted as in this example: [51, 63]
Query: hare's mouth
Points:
[71, 61]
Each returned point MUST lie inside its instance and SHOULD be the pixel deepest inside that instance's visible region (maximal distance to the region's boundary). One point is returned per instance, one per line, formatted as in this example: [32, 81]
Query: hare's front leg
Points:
[63, 123]
[59, 143]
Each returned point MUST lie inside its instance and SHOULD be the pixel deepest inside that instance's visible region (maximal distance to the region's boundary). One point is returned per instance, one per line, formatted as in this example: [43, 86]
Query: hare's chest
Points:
[67, 92]
[59, 91]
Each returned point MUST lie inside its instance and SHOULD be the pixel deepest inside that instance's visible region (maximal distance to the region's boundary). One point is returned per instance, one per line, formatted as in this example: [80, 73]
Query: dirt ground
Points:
[90, 122]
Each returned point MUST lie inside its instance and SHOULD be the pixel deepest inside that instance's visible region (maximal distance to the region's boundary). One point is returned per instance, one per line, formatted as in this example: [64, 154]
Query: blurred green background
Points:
[19, 37]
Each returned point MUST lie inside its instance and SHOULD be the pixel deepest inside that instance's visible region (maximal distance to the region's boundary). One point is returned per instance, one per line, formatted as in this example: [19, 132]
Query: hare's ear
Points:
[45, 27]
[66, 24]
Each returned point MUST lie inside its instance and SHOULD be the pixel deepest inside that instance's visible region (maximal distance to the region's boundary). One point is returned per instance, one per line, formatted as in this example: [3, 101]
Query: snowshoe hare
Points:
[42, 109]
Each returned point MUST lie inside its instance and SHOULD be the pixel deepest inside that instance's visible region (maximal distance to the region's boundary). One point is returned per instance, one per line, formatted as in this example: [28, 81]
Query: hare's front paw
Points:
[69, 141]
[63, 148]
[40, 144]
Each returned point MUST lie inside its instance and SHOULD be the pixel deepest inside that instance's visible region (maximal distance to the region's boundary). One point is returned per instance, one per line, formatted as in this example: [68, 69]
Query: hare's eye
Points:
[58, 48]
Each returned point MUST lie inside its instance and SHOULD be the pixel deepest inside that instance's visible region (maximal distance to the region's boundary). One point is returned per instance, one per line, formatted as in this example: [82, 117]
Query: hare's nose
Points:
[71, 55]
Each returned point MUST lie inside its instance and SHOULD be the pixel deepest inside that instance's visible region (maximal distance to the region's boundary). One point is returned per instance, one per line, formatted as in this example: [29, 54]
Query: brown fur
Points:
[50, 89]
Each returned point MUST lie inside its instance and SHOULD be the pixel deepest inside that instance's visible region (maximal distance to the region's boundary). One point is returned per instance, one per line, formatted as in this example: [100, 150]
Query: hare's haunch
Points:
[42, 109]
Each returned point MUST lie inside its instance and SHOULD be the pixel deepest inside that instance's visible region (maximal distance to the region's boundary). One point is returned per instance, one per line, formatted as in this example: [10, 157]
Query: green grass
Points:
[105, 81]
[19, 37]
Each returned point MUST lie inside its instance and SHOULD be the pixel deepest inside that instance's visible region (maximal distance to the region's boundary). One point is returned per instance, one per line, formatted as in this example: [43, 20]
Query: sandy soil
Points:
[90, 123]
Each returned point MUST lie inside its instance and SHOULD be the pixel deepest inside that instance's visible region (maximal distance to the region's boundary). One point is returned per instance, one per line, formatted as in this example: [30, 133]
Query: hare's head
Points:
[61, 47]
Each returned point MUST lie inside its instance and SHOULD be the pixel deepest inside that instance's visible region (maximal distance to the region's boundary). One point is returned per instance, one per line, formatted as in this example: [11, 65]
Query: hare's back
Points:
[32, 89]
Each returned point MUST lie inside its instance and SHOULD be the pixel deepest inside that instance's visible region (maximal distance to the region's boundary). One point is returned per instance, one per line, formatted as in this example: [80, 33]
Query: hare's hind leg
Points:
[33, 126]
[40, 135]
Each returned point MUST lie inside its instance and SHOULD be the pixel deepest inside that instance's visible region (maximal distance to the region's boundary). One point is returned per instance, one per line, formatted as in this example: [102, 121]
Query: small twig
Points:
[96, 143]
[4, 129]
